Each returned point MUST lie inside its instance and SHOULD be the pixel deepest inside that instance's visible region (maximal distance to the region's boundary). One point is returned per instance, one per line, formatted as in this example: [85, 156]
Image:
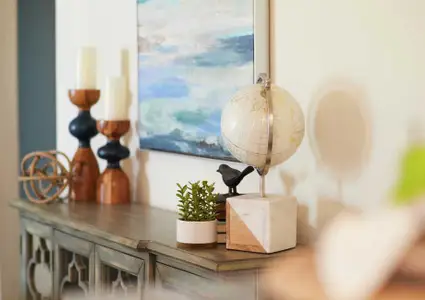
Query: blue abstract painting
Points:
[193, 56]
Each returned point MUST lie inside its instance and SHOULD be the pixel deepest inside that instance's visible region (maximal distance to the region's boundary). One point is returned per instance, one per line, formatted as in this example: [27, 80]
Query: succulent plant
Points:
[197, 202]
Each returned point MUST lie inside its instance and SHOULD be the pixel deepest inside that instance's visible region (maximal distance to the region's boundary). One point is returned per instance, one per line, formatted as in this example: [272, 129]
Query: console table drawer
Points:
[37, 229]
[203, 288]
[118, 273]
[74, 266]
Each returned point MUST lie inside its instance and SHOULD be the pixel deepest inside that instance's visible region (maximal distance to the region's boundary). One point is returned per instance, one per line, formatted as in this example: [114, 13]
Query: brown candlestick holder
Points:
[84, 166]
[113, 185]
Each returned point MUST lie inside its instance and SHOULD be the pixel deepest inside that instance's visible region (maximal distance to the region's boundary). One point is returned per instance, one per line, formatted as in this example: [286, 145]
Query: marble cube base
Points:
[262, 225]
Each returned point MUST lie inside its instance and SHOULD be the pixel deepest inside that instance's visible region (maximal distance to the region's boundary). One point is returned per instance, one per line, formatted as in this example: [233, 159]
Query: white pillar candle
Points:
[116, 99]
[86, 68]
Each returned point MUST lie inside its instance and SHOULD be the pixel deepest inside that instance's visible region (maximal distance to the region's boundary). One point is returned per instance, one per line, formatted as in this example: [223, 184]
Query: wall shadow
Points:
[339, 130]
[340, 134]
[328, 208]
[304, 230]
[128, 164]
[127, 140]
[142, 180]
[289, 182]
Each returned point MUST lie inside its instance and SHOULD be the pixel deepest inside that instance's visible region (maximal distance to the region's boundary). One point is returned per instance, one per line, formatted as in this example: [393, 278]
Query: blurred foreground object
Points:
[358, 257]
[411, 184]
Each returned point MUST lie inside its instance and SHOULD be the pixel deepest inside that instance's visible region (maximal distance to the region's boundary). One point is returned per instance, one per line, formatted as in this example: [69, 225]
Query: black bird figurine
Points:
[232, 177]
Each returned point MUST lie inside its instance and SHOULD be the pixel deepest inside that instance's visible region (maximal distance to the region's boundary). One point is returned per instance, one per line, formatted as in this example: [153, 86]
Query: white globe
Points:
[244, 126]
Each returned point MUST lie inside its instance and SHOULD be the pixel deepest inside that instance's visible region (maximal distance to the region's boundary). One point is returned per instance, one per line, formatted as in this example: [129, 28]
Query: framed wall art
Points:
[193, 57]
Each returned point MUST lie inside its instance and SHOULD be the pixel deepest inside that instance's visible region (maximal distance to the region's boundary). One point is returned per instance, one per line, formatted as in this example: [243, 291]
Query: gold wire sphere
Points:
[44, 176]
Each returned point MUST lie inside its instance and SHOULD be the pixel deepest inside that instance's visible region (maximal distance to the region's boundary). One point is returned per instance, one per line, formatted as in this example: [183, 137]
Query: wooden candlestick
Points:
[84, 166]
[113, 185]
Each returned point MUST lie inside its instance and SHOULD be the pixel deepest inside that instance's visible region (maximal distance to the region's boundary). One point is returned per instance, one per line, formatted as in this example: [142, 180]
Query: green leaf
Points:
[411, 184]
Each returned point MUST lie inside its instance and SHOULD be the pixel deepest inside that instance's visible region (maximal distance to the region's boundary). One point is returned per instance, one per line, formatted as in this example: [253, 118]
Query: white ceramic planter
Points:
[196, 233]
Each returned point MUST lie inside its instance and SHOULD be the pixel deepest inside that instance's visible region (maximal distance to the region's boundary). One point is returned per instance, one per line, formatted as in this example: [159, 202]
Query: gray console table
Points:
[96, 250]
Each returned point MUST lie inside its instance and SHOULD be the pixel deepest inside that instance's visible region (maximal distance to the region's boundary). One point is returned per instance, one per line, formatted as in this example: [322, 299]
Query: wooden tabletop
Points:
[140, 228]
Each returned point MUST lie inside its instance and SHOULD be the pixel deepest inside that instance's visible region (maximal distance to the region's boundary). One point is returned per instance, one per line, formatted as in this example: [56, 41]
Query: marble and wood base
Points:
[262, 225]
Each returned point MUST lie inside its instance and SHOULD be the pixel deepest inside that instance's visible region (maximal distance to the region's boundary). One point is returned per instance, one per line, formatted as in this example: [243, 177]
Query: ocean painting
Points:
[193, 57]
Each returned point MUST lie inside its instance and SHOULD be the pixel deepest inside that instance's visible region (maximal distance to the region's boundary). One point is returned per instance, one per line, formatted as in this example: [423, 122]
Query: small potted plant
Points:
[197, 224]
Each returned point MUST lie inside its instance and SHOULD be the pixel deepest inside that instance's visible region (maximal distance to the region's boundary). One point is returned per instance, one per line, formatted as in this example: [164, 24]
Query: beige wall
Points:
[9, 229]
[356, 66]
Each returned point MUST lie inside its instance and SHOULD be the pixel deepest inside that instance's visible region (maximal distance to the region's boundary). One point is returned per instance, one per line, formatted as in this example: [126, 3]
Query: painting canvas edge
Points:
[262, 57]
[262, 32]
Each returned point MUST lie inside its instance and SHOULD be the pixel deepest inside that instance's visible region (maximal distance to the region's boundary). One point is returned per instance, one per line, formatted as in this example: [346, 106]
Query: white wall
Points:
[9, 227]
[356, 67]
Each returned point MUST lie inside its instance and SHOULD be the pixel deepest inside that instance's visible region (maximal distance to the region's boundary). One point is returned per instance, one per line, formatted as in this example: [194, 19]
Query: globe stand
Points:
[262, 223]
[265, 81]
